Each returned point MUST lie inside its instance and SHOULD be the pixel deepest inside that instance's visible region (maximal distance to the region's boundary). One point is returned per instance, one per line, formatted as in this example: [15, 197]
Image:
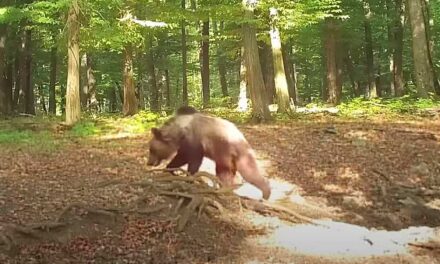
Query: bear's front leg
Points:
[178, 161]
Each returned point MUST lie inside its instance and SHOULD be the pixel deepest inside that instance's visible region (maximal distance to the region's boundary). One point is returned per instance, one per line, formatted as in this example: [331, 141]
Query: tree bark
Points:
[84, 91]
[17, 68]
[221, 61]
[152, 81]
[73, 104]
[21, 88]
[30, 95]
[399, 81]
[112, 98]
[184, 59]
[290, 72]
[3, 99]
[429, 23]
[351, 73]
[130, 105]
[267, 67]
[281, 86]
[395, 37]
[205, 63]
[332, 84]
[424, 73]
[288, 69]
[53, 80]
[369, 55]
[9, 82]
[119, 91]
[242, 97]
[167, 89]
[42, 98]
[92, 102]
[260, 110]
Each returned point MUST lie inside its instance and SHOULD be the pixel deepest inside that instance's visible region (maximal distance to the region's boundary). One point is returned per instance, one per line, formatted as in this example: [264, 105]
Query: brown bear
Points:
[190, 136]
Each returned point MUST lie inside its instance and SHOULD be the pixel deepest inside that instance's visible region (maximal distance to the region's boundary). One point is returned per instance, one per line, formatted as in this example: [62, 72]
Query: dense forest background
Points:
[64, 57]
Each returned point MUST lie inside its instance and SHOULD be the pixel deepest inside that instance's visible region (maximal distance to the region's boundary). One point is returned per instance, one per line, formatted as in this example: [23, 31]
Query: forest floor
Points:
[373, 184]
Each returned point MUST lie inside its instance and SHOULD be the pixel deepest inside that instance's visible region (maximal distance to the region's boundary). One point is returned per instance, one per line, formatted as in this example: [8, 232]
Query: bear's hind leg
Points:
[226, 174]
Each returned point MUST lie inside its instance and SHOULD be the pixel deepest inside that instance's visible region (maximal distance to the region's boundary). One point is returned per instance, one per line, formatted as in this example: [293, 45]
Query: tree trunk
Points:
[294, 74]
[130, 105]
[267, 67]
[333, 90]
[429, 23]
[30, 95]
[395, 37]
[42, 98]
[242, 97]
[17, 68]
[378, 81]
[53, 80]
[222, 75]
[9, 82]
[424, 73]
[73, 104]
[112, 98]
[84, 91]
[119, 91]
[391, 15]
[221, 62]
[26, 92]
[152, 81]
[369, 55]
[260, 110]
[399, 81]
[351, 73]
[92, 102]
[3, 99]
[281, 87]
[140, 90]
[339, 61]
[290, 73]
[21, 89]
[167, 90]
[323, 90]
[205, 64]
[184, 60]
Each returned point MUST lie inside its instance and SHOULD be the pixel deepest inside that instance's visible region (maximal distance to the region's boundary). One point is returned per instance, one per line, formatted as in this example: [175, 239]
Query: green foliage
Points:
[28, 139]
[230, 114]
[108, 125]
[85, 128]
[395, 106]
[11, 14]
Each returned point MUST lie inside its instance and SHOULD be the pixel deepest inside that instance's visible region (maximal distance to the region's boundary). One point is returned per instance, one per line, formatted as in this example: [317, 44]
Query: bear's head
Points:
[162, 147]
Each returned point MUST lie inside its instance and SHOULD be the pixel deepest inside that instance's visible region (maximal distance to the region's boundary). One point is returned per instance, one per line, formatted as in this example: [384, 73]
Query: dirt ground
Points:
[371, 176]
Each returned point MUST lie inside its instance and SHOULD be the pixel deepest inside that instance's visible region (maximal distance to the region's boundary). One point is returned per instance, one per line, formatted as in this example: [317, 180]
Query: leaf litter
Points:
[378, 175]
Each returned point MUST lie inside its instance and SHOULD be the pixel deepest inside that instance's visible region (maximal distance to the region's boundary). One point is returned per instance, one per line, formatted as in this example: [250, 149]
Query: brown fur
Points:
[191, 137]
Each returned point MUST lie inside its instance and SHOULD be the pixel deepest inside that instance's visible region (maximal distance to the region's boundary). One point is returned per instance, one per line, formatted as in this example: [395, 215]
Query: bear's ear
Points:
[161, 135]
[156, 132]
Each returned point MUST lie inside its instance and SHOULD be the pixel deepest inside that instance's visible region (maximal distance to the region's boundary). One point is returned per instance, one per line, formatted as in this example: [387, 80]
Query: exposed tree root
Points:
[281, 211]
[427, 246]
[187, 197]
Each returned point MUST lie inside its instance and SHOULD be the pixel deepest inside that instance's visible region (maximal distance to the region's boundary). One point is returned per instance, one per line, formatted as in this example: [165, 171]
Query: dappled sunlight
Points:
[358, 134]
[318, 174]
[334, 188]
[348, 173]
[433, 204]
[336, 239]
[118, 135]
